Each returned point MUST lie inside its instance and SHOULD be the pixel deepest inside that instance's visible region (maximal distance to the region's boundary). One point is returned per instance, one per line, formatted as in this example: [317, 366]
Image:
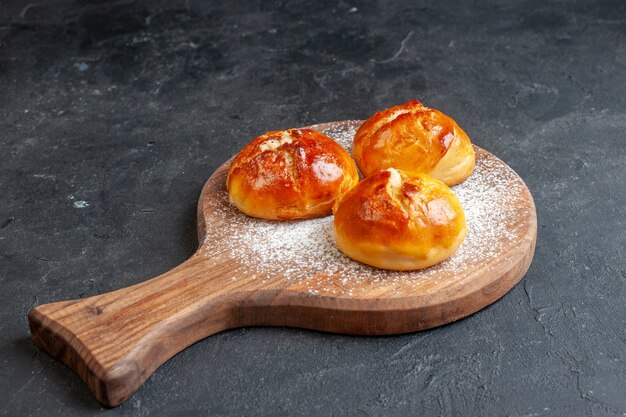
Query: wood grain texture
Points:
[115, 341]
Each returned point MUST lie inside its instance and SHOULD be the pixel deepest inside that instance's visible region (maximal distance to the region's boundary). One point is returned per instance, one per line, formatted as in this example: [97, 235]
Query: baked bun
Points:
[290, 174]
[414, 138]
[391, 220]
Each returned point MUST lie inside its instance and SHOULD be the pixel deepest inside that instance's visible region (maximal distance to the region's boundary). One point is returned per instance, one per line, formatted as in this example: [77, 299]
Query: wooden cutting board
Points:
[250, 272]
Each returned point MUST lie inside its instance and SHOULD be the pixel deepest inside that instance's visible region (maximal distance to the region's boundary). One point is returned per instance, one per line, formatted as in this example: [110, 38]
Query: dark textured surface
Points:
[113, 115]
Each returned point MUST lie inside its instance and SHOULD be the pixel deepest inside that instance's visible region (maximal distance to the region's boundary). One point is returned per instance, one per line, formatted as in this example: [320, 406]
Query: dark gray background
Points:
[130, 106]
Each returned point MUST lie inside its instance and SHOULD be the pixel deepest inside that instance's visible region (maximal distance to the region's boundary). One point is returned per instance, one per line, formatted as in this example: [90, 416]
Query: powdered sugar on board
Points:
[305, 254]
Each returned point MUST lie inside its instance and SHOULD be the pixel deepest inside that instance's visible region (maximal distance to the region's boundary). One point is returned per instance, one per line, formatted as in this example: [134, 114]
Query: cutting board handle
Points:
[115, 341]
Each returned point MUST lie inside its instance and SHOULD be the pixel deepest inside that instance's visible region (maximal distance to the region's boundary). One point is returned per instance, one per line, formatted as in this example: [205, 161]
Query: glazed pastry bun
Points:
[290, 174]
[393, 220]
[414, 138]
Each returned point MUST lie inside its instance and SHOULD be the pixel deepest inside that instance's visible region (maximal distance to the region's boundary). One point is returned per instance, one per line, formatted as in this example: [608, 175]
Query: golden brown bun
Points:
[391, 220]
[290, 174]
[414, 138]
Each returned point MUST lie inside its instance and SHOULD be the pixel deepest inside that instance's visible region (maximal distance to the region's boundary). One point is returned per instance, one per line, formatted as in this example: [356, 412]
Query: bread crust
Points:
[290, 174]
[414, 138]
[393, 220]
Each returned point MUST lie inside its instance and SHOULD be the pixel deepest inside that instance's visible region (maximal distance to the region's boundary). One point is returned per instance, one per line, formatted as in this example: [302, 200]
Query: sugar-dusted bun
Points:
[391, 220]
[290, 174]
[414, 138]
